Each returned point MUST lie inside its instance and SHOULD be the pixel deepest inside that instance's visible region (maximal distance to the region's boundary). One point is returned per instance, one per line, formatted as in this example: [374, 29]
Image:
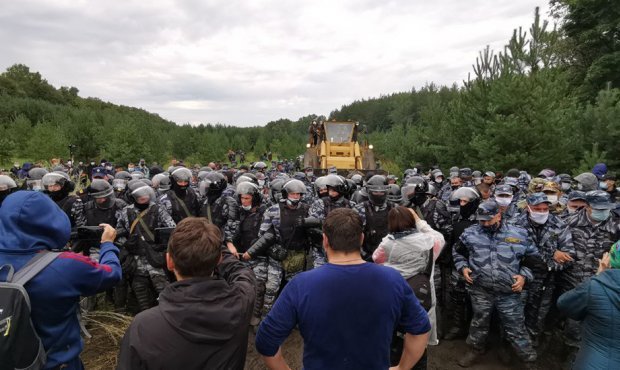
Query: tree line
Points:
[550, 98]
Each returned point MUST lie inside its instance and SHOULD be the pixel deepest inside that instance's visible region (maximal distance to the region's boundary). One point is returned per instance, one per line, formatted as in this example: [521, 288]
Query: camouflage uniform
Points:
[74, 208]
[494, 257]
[319, 210]
[591, 241]
[374, 224]
[245, 235]
[145, 276]
[548, 238]
[170, 201]
[295, 241]
[223, 213]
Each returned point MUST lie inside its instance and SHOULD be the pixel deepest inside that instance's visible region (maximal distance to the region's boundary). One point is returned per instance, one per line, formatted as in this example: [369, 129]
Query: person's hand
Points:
[517, 287]
[466, 271]
[246, 256]
[604, 263]
[232, 249]
[561, 257]
[109, 233]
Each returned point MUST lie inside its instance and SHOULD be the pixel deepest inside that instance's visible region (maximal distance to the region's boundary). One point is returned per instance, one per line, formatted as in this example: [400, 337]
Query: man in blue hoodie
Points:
[30, 222]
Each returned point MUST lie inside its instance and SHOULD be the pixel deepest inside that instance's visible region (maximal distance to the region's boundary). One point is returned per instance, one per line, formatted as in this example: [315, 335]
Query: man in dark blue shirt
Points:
[346, 310]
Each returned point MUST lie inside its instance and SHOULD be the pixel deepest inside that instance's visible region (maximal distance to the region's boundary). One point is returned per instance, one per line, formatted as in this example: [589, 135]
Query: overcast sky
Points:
[249, 62]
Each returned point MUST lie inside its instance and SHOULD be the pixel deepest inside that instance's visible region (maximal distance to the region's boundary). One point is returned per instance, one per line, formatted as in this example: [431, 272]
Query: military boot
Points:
[471, 357]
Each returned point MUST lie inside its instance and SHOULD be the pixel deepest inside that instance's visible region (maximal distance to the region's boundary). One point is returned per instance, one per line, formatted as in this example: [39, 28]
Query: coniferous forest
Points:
[550, 98]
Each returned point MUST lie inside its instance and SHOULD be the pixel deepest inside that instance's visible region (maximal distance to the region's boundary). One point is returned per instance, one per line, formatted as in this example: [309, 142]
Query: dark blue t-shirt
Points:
[346, 315]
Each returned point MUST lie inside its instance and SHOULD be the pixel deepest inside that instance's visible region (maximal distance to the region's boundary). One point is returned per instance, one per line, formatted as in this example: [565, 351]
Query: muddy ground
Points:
[100, 353]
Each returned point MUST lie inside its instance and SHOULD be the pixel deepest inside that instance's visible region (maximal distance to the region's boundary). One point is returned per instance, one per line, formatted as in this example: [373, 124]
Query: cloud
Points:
[246, 63]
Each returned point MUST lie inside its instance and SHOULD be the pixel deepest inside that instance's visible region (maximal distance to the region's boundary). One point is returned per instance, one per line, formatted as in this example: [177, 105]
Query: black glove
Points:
[260, 246]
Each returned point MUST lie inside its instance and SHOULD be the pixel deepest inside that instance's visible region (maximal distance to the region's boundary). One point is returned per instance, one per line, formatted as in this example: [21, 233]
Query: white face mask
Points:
[539, 217]
[571, 210]
[246, 208]
[565, 186]
[553, 199]
[503, 201]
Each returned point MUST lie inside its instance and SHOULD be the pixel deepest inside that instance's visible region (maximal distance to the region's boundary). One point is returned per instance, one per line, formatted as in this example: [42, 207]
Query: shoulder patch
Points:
[513, 240]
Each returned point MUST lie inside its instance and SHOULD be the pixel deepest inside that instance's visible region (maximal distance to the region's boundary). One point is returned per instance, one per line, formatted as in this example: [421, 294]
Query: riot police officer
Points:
[373, 213]
[141, 257]
[58, 186]
[219, 209]
[7, 186]
[180, 201]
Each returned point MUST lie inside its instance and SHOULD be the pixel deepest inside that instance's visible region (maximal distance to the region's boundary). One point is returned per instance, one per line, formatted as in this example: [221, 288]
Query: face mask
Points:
[573, 210]
[419, 199]
[142, 207]
[292, 202]
[491, 228]
[439, 180]
[553, 199]
[600, 215]
[261, 183]
[334, 199]
[565, 186]
[309, 174]
[539, 217]
[602, 185]
[503, 201]
[92, 163]
[579, 186]
[377, 200]
[454, 187]
[246, 208]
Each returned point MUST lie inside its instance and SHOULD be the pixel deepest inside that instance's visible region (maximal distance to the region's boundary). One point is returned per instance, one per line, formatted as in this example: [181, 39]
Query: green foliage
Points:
[591, 46]
[542, 101]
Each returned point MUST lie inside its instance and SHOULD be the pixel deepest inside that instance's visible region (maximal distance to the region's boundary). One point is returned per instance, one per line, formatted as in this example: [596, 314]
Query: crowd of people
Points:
[475, 248]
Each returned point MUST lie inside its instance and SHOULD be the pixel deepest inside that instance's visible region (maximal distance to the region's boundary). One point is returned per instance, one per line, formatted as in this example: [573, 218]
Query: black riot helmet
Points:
[358, 179]
[7, 186]
[138, 191]
[101, 189]
[57, 178]
[320, 184]
[471, 196]
[292, 187]
[249, 188]
[415, 190]
[394, 195]
[214, 183]
[377, 188]
[336, 183]
[352, 187]
[161, 182]
[35, 175]
[275, 188]
[122, 175]
[249, 176]
[259, 166]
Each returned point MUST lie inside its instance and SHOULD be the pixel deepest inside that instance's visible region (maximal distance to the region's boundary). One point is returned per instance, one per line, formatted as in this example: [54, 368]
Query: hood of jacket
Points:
[203, 310]
[610, 280]
[31, 221]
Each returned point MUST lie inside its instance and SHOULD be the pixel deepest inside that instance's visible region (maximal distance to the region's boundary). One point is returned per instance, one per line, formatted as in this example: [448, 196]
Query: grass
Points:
[107, 329]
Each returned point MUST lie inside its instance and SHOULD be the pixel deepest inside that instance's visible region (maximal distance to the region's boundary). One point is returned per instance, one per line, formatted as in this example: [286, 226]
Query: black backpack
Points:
[20, 346]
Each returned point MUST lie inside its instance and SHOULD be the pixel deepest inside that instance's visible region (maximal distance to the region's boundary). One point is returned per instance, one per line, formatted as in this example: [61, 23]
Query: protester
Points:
[346, 310]
[411, 247]
[596, 303]
[31, 223]
[202, 319]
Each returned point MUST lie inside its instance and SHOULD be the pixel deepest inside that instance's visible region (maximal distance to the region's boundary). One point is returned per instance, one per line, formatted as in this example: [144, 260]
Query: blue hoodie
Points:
[30, 222]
